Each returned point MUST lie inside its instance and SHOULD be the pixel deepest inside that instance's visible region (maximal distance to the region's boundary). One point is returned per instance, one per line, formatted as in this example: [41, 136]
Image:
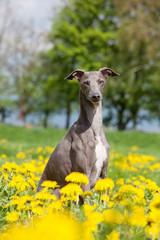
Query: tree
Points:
[135, 54]
[81, 37]
[6, 24]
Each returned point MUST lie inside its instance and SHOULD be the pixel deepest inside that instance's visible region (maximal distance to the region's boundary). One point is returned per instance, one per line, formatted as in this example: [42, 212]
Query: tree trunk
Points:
[121, 126]
[68, 113]
[3, 114]
[45, 121]
[134, 122]
[121, 123]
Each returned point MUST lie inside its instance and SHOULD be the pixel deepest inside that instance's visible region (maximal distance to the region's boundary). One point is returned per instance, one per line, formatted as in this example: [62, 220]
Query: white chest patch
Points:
[101, 155]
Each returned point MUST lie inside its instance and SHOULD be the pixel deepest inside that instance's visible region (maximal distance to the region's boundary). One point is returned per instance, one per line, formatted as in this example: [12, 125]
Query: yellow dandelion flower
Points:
[77, 177]
[46, 160]
[50, 184]
[3, 140]
[88, 209]
[57, 205]
[112, 216]
[12, 216]
[3, 156]
[21, 155]
[155, 202]
[105, 198]
[103, 185]
[153, 215]
[36, 203]
[136, 183]
[19, 202]
[142, 178]
[93, 219]
[29, 167]
[40, 157]
[142, 186]
[152, 230]
[10, 167]
[128, 181]
[45, 196]
[49, 149]
[120, 181]
[38, 210]
[114, 235]
[137, 218]
[87, 193]
[152, 186]
[39, 149]
[5, 175]
[52, 226]
[135, 148]
[71, 189]
[17, 181]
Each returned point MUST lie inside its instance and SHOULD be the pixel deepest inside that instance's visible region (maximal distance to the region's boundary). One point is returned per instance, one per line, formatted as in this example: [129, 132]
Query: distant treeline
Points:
[88, 35]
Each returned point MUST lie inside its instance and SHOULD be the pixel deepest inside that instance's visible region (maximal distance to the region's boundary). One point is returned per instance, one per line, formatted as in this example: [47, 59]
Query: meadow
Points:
[131, 210]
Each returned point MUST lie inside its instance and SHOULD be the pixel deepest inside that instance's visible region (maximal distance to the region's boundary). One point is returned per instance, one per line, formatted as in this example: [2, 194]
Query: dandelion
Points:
[49, 149]
[103, 185]
[10, 167]
[5, 176]
[137, 183]
[112, 216]
[38, 210]
[155, 202]
[114, 235]
[93, 219]
[50, 184]
[29, 167]
[87, 193]
[137, 218]
[135, 148]
[105, 198]
[88, 209]
[39, 149]
[142, 178]
[72, 190]
[45, 196]
[3, 140]
[52, 226]
[40, 157]
[21, 155]
[3, 156]
[120, 181]
[55, 206]
[77, 177]
[12, 216]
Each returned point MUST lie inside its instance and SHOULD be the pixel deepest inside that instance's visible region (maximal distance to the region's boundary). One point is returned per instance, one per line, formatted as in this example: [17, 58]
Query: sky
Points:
[40, 11]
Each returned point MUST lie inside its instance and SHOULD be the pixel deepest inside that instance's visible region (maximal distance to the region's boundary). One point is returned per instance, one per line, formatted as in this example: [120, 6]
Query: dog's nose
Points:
[95, 97]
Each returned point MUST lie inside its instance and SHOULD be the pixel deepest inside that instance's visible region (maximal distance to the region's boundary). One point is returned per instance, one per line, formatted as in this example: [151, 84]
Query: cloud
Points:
[24, 3]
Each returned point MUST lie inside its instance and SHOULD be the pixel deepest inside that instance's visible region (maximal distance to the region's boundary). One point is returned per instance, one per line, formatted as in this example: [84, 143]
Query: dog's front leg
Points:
[104, 170]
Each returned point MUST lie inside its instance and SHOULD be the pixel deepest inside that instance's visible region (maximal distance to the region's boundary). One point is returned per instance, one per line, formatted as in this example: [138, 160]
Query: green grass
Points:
[33, 143]
[23, 139]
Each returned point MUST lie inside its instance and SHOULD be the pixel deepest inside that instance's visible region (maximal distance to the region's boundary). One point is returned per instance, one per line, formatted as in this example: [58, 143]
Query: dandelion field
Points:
[125, 205]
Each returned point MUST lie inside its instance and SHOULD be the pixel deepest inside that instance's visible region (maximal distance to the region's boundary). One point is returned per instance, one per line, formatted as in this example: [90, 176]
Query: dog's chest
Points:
[101, 155]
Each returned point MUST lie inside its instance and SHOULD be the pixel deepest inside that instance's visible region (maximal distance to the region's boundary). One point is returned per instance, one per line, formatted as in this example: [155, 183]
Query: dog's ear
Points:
[107, 72]
[77, 74]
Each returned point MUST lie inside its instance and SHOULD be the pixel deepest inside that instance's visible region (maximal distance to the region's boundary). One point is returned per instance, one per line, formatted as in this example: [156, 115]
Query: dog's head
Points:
[92, 83]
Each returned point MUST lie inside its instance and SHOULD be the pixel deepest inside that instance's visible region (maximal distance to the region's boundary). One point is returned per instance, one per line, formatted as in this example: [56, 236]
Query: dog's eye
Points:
[100, 81]
[86, 83]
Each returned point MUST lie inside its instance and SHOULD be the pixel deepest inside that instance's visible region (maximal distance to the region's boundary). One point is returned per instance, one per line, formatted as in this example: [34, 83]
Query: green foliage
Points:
[136, 55]
[80, 38]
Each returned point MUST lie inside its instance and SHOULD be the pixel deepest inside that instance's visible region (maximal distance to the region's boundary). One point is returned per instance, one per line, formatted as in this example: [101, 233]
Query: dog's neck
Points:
[90, 114]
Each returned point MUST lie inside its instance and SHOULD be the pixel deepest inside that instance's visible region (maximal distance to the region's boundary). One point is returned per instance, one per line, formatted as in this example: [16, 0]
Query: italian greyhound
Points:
[85, 148]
